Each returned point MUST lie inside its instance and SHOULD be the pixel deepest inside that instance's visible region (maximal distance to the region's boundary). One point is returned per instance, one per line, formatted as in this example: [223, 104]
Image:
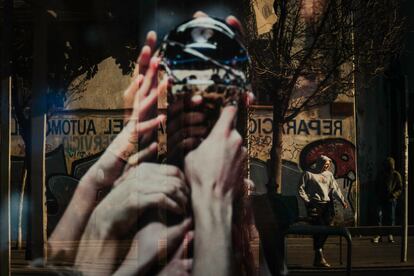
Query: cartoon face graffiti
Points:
[341, 151]
[342, 154]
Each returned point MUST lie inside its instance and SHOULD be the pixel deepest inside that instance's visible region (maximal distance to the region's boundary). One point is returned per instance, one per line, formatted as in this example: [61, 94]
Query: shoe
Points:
[376, 239]
[390, 239]
[319, 260]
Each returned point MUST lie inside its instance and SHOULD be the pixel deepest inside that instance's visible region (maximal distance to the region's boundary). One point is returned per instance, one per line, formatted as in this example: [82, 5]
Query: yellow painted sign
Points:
[265, 16]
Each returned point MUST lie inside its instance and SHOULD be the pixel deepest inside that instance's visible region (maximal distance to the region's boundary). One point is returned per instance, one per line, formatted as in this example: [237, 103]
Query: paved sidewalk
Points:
[367, 258]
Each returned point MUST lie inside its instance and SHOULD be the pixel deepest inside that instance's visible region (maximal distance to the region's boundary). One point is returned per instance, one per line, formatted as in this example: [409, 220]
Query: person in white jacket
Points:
[317, 190]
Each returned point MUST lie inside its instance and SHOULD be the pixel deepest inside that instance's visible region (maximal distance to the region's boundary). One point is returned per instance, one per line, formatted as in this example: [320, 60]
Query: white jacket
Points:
[319, 187]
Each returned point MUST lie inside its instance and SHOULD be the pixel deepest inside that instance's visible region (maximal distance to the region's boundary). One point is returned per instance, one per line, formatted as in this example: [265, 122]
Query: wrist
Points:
[86, 190]
[84, 199]
[210, 210]
[213, 239]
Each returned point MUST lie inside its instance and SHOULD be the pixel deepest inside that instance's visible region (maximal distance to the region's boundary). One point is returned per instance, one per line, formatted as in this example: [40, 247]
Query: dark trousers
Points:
[320, 214]
[386, 212]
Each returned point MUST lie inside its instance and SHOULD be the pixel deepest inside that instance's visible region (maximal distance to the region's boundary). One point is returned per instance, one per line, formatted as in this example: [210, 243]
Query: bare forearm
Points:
[68, 232]
[213, 241]
[97, 244]
[338, 193]
[301, 188]
[63, 241]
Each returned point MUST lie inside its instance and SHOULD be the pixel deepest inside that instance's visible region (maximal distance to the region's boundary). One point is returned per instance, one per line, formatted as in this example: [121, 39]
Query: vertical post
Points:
[249, 111]
[357, 214]
[404, 238]
[5, 110]
[354, 88]
[349, 255]
[340, 250]
[37, 136]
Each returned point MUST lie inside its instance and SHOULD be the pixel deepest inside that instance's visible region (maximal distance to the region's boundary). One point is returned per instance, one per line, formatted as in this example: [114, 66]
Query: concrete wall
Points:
[373, 143]
[380, 126]
[408, 69]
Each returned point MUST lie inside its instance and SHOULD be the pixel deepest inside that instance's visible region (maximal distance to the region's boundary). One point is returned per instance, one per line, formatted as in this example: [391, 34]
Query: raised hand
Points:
[215, 167]
[155, 242]
[143, 91]
[141, 188]
[215, 173]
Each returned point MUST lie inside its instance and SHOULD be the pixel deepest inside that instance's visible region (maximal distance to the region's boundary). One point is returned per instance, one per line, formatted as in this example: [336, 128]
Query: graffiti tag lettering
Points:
[325, 127]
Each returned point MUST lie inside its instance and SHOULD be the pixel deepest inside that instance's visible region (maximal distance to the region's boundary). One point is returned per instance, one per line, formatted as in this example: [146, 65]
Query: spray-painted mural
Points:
[342, 152]
[306, 137]
[74, 141]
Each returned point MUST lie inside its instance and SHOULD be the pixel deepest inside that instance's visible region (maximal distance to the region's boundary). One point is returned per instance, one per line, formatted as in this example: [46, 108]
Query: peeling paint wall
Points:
[265, 16]
[305, 138]
[103, 91]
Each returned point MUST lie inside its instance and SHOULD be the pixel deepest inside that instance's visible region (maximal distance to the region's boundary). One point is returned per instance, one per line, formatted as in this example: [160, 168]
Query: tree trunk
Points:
[276, 155]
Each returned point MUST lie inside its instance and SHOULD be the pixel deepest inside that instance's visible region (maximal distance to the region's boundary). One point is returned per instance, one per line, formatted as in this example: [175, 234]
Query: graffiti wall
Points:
[306, 137]
[74, 141]
[81, 134]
